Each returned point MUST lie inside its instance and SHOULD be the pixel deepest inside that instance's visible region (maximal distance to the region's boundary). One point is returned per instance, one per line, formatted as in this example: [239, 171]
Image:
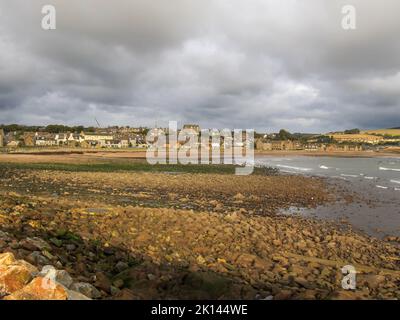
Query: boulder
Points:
[35, 243]
[103, 282]
[37, 258]
[14, 278]
[60, 276]
[6, 259]
[86, 289]
[40, 289]
[73, 295]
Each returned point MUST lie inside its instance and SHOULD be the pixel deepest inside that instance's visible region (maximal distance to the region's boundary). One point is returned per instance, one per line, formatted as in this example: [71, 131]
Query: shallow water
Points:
[375, 180]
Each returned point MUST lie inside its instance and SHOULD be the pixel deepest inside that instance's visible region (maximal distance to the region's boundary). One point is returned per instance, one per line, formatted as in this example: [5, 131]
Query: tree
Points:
[352, 131]
[285, 135]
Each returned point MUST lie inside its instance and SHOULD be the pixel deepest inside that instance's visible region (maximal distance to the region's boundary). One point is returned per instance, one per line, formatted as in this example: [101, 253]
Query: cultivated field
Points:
[391, 132]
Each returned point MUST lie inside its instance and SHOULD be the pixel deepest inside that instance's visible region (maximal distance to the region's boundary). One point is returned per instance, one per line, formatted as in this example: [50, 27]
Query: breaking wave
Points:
[293, 168]
[381, 187]
[349, 175]
[389, 169]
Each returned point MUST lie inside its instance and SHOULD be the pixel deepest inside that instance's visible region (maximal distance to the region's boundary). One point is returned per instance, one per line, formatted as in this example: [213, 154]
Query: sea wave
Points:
[349, 175]
[288, 171]
[381, 187]
[293, 168]
[389, 169]
[395, 181]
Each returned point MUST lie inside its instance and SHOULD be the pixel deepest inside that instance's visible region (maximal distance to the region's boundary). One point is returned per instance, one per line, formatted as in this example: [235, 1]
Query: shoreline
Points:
[80, 156]
[336, 154]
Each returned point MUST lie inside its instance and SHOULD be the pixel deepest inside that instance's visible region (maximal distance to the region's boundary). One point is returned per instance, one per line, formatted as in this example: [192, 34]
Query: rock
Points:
[302, 282]
[277, 242]
[143, 237]
[282, 260]
[392, 239]
[14, 245]
[103, 282]
[232, 217]
[35, 243]
[372, 281]
[126, 294]
[108, 251]
[6, 259]
[3, 244]
[308, 295]
[40, 289]
[48, 255]
[283, 295]
[246, 260]
[239, 197]
[118, 283]
[210, 284]
[56, 242]
[73, 295]
[37, 258]
[346, 295]
[86, 289]
[325, 272]
[200, 260]
[14, 278]
[121, 266]
[151, 277]
[3, 234]
[114, 290]
[70, 247]
[60, 276]
[32, 269]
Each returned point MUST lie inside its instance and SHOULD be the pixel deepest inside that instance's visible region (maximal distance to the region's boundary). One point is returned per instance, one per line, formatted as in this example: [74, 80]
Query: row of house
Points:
[288, 145]
[357, 138]
[83, 139]
[278, 145]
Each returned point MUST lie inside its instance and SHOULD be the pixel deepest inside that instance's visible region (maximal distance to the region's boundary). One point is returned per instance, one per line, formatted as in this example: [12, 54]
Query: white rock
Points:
[60, 276]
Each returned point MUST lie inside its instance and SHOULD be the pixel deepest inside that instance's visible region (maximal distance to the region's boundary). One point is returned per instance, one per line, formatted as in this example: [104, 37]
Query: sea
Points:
[375, 183]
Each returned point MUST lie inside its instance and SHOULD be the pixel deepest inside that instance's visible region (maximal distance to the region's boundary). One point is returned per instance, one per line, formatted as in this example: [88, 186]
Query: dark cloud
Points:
[236, 64]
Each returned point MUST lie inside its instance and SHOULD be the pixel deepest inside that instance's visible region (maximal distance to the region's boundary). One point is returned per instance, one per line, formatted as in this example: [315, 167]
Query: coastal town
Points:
[56, 136]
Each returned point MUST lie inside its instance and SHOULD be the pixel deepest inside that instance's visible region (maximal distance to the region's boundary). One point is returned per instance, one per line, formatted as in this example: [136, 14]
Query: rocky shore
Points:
[188, 237]
[20, 280]
[144, 253]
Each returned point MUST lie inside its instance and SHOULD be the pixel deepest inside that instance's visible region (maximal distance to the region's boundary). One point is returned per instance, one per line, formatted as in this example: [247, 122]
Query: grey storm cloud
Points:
[260, 64]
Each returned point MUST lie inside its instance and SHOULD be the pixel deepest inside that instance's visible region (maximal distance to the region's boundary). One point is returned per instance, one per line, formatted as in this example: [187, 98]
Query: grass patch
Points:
[141, 166]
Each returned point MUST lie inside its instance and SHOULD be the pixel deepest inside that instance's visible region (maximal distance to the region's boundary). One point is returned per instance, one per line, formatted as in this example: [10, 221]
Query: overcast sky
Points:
[237, 64]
